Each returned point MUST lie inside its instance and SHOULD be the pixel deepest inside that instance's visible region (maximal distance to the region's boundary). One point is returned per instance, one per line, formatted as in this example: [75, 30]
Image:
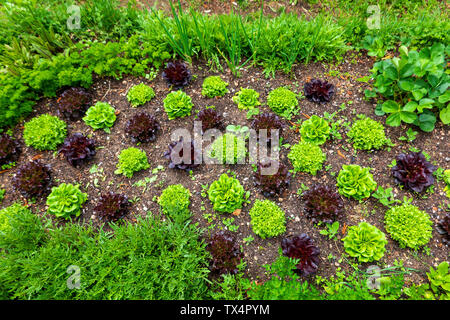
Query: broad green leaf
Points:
[391, 73]
[390, 106]
[419, 94]
[427, 121]
[394, 120]
[445, 115]
[445, 97]
[408, 117]
[410, 106]
[406, 85]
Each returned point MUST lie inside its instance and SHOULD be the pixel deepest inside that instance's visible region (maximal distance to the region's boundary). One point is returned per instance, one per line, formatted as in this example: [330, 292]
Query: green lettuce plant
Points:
[367, 134]
[246, 99]
[315, 130]
[306, 157]
[283, 102]
[66, 200]
[100, 116]
[365, 242]
[131, 160]
[229, 143]
[177, 104]
[408, 225]
[214, 86]
[440, 280]
[140, 94]
[355, 182]
[45, 132]
[447, 182]
[226, 194]
[415, 87]
[267, 219]
[174, 202]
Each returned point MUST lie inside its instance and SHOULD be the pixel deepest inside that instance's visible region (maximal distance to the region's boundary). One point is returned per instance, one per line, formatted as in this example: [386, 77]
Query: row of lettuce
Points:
[49, 56]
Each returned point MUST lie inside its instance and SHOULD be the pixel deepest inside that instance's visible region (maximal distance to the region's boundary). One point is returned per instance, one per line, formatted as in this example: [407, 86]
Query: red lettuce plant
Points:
[177, 74]
[443, 228]
[177, 148]
[319, 91]
[142, 127]
[78, 149]
[73, 103]
[302, 247]
[225, 252]
[413, 171]
[9, 149]
[268, 121]
[210, 118]
[272, 185]
[33, 179]
[322, 203]
[112, 206]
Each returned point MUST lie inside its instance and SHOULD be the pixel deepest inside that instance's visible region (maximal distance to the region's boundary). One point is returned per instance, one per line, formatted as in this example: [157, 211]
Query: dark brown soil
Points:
[260, 251]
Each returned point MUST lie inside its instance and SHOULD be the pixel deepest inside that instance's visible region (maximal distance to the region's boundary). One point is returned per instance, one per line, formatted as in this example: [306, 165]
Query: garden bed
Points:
[349, 92]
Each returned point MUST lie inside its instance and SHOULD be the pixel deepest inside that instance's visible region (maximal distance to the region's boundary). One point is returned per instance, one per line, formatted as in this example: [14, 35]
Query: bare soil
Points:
[338, 152]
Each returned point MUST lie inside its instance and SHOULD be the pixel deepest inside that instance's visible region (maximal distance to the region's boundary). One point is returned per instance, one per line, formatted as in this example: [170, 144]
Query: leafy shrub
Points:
[16, 99]
[415, 86]
[138, 254]
[319, 91]
[315, 130]
[78, 149]
[20, 229]
[174, 202]
[271, 185]
[177, 74]
[302, 247]
[140, 94]
[283, 102]
[413, 171]
[214, 86]
[268, 121]
[408, 225]
[355, 182]
[9, 150]
[100, 116]
[45, 132]
[322, 203]
[225, 252]
[443, 227]
[32, 179]
[177, 104]
[267, 219]
[228, 149]
[226, 194]
[306, 157]
[142, 128]
[246, 99]
[440, 280]
[210, 118]
[131, 160]
[367, 134]
[112, 206]
[365, 242]
[177, 160]
[66, 200]
[73, 103]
